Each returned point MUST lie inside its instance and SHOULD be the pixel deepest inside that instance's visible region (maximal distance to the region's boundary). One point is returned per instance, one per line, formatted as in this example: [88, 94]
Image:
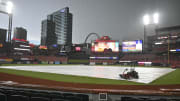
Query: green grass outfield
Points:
[85, 61]
[170, 78]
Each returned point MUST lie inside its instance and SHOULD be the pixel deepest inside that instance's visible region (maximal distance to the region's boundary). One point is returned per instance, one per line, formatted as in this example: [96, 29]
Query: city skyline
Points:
[119, 19]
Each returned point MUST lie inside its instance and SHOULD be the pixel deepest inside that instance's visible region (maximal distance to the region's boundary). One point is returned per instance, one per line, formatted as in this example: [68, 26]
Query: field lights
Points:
[9, 7]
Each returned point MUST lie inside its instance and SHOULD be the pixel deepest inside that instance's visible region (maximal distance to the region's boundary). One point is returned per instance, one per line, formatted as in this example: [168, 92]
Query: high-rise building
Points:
[20, 33]
[63, 27]
[3, 34]
[48, 36]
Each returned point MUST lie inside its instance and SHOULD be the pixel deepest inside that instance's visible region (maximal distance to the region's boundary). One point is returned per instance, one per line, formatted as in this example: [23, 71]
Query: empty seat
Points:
[17, 98]
[1, 91]
[56, 95]
[39, 99]
[23, 93]
[3, 97]
[83, 97]
[72, 98]
[60, 100]
[133, 99]
[9, 92]
[34, 93]
[67, 94]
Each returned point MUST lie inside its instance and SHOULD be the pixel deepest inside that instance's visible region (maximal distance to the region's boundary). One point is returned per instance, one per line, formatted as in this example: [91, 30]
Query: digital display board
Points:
[78, 48]
[105, 46]
[43, 47]
[132, 46]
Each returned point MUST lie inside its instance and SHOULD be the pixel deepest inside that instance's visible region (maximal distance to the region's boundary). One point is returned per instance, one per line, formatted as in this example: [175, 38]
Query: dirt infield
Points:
[30, 82]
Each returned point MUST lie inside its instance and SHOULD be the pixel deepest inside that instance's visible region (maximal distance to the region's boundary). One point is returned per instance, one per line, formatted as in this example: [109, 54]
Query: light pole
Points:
[156, 21]
[147, 20]
[10, 27]
[9, 6]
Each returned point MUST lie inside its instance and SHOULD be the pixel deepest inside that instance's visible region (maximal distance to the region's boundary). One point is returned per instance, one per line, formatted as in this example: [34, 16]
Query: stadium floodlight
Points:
[9, 7]
[156, 18]
[146, 19]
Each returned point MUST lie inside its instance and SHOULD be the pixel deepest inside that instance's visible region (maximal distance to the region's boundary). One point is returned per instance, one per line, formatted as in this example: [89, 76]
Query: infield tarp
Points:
[146, 75]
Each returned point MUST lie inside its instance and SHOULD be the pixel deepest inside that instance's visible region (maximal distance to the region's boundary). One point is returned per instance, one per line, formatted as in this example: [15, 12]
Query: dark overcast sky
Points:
[119, 19]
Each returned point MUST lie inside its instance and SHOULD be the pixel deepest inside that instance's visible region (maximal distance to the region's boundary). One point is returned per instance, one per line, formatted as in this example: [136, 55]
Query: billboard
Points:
[105, 46]
[78, 48]
[43, 47]
[132, 46]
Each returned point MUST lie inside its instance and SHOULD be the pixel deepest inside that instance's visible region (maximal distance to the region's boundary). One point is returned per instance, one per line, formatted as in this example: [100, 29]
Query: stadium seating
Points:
[39, 99]
[52, 58]
[174, 60]
[146, 99]
[27, 94]
[17, 98]
[3, 97]
[24, 94]
[59, 100]
[83, 97]
[138, 57]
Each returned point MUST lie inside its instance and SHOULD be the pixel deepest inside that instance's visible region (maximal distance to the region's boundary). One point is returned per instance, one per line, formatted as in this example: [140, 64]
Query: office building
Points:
[3, 34]
[20, 33]
[63, 27]
[48, 36]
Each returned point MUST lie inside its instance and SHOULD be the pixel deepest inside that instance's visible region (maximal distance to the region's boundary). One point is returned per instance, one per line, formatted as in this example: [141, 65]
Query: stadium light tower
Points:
[147, 20]
[156, 18]
[8, 11]
[9, 7]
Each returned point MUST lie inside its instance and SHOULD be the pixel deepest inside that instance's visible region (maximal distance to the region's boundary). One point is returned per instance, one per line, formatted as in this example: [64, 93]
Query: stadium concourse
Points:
[146, 74]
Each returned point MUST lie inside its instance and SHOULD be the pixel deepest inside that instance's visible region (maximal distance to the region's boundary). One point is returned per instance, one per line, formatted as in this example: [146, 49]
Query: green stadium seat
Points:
[17, 98]
[83, 97]
[56, 95]
[3, 97]
[39, 99]
[60, 100]
[67, 94]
